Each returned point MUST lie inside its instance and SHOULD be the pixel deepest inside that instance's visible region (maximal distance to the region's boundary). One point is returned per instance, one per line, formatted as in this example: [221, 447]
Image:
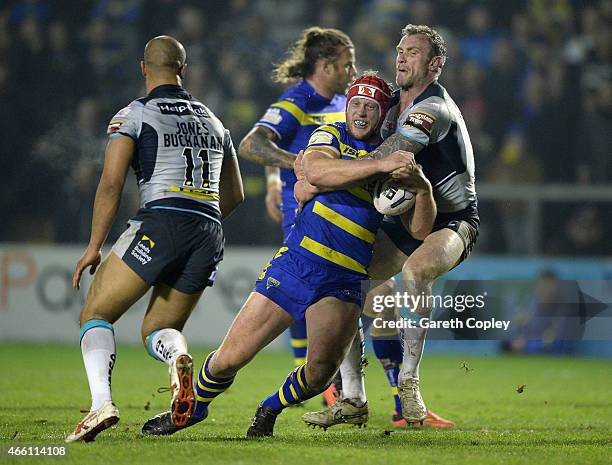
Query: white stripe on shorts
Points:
[124, 241]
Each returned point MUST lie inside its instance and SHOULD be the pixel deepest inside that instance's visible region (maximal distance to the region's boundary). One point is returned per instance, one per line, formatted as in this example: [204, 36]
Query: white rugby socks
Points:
[167, 344]
[353, 385]
[413, 342]
[98, 349]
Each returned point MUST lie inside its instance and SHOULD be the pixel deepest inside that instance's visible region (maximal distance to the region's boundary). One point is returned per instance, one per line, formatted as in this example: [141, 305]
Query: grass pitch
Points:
[562, 415]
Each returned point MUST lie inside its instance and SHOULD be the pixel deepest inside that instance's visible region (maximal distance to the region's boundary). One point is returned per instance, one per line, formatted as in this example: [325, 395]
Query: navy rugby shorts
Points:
[295, 283]
[465, 223]
[179, 249]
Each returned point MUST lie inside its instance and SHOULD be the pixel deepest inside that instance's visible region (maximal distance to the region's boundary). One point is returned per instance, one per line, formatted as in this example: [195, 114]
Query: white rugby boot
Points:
[95, 422]
[343, 411]
[413, 407]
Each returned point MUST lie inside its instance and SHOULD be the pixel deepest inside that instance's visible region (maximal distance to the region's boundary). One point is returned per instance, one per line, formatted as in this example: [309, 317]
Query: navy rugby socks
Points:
[208, 388]
[389, 353]
[293, 391]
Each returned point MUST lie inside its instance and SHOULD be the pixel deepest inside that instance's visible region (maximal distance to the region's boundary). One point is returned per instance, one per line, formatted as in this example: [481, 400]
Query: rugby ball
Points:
[391, 200]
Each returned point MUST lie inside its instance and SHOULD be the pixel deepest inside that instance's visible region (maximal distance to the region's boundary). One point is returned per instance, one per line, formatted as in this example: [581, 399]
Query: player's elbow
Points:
[231, 200]
[237, 195]
[420, 231]
[421, 234]
[244, 148]
[110, 186]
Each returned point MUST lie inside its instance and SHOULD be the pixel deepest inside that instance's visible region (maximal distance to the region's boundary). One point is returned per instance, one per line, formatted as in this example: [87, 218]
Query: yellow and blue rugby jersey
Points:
[338, 228]
[298, 112]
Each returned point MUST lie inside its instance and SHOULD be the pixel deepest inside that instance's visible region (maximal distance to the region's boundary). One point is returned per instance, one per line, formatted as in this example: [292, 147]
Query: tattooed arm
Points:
[259, 146]
[394, 143]
[324, 169]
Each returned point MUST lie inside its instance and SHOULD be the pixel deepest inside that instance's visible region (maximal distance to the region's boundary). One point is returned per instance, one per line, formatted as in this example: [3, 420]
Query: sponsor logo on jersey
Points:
[117, 121]
[113, 127]
[421, 121]
[200, 110]
[196, 192]
[321, 137]
[318, 119]
[182, 109]
[350, 151]
[272, 282]
[272, 116]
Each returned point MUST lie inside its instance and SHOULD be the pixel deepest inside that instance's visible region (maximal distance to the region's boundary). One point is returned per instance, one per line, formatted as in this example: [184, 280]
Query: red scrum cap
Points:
[373, 88]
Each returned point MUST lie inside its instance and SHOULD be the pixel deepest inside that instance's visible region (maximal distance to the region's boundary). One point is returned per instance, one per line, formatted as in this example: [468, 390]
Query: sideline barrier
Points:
[38, 304]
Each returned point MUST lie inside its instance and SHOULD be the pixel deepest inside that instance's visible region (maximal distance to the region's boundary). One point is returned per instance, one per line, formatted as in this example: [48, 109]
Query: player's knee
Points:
[418, 280]
[148, 327]
[91, 312]
[385, 288]
[319, 373]
[374, 300]
[225, 365]
[415, 273]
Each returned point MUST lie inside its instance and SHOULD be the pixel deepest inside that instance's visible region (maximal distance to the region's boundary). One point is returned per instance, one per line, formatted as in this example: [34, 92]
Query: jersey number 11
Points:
[202, 154]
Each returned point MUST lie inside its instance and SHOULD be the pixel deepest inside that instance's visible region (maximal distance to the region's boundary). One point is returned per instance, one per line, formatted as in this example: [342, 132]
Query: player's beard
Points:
[412, 81]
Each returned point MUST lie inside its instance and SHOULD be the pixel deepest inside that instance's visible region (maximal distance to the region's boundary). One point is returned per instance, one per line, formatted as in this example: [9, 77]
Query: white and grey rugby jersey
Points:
[180, 145]
[435, 121]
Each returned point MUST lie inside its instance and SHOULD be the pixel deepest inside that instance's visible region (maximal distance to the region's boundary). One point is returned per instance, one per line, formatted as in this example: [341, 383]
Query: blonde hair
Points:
[315, 43]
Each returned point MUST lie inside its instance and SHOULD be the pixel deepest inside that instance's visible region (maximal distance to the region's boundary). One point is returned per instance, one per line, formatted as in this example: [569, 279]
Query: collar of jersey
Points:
[314, 93]
[169, 90]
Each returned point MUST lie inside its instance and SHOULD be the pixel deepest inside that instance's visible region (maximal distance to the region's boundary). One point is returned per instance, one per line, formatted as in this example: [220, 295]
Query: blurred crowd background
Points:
[532, 77]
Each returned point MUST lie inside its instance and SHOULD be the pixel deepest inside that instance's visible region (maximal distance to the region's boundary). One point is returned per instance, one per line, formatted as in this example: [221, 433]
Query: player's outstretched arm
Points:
[259, 146]
[419, 220]
[119, 153]
[231, 191]
[324, 170]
